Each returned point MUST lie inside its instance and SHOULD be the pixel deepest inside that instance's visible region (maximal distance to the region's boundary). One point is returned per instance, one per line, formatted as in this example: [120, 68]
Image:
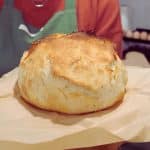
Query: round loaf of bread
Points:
[72, 73]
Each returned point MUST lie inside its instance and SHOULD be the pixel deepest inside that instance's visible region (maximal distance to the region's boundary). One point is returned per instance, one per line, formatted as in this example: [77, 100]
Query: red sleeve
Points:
[1, 3]
[102, 18]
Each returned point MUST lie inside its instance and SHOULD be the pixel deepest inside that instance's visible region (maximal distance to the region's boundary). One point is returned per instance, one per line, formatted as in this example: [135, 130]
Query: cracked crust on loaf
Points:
[72, 73]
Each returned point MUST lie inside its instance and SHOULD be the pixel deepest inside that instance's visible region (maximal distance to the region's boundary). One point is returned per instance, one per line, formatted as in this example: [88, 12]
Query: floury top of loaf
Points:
[72, 73]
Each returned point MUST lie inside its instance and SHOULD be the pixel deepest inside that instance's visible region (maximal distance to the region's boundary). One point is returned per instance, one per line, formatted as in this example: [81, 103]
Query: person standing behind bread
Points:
[97, 17]
[41, 17]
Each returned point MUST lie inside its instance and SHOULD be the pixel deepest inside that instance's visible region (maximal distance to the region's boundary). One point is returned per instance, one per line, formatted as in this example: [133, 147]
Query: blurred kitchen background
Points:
[135, 15]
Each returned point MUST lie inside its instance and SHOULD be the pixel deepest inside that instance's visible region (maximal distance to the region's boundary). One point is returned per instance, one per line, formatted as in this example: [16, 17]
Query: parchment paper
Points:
[24, 125]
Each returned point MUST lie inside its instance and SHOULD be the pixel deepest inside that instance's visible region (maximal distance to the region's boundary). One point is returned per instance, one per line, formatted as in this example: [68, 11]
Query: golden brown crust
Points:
[72, 74]
[115, 103]
[78, 52]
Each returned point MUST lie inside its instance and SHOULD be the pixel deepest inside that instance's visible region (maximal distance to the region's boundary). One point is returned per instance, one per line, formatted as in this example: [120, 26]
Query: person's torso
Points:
[13, 41]
[62, 21]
